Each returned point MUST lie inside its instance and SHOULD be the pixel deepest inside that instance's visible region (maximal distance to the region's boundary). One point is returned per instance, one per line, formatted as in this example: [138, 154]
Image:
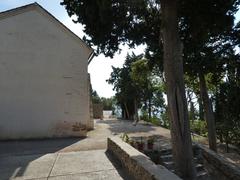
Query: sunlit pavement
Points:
[69, 158]
[84, 165]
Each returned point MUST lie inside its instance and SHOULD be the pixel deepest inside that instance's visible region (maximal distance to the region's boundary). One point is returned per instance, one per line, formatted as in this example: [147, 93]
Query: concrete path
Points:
[106, 128]
[70, 158]
[84, 165]
[95, 140]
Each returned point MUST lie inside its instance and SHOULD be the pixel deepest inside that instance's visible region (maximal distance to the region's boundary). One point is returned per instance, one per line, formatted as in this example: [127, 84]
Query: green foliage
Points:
[108, 103]
[162, 121]
[208, 47]
[150, 87]
[199, 127]
[110, 23]
[126, 90]
[144, 116]
[137, 85]
[155, 120]
[95, 97]
[165, 122]
[140, 73]
[141, 77]
[228, 103]
[150, 140]
[158, 101]
[207, 44]
[228, 113]
[125, 137]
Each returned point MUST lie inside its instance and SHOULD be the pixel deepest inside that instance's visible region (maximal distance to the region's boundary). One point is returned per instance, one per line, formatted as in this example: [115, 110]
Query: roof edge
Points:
[17, 10]
[35, 5]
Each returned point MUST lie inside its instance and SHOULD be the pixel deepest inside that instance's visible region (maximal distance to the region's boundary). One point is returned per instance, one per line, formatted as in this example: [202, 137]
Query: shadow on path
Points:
[36, 146]
[126, 126]
[30, 158]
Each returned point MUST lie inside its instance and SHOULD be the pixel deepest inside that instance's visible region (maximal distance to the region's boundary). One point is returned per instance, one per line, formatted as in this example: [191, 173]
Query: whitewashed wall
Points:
[43, 78]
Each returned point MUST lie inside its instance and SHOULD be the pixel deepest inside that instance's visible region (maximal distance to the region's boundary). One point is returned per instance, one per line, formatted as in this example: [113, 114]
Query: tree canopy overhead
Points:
[110, 23]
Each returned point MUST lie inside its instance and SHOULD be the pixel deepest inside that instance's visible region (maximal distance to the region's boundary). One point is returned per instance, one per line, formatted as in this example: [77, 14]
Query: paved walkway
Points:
[84, 165]
[96, 139]
[70, 158]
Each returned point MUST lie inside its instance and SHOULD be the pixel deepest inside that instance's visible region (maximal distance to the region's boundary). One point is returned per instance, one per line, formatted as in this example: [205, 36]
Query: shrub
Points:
[125, 138]
[199, 127]
[154, 120]
[164, 122]
[144, 116]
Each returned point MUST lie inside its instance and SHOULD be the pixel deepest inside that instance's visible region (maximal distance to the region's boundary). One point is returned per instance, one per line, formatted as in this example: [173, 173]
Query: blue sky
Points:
[100, 67]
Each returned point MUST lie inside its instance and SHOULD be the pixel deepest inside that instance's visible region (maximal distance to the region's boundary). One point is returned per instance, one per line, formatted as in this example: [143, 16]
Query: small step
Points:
[166, 151]
[199, 167]
[166, 158]
[169, 157]
[202, 175]
[169, 165]
[197, 160]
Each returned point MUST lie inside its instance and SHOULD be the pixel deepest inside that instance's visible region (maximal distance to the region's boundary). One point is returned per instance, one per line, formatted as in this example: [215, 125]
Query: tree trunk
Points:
[149, 109]
[136, 119]
[207, 105]
[126, 110]
[201, 113]
[177, 103]
[221, 137]
[123, 111]
[192, 109]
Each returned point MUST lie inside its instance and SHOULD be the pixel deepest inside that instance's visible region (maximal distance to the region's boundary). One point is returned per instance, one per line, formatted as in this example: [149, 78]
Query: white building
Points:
[44, 83]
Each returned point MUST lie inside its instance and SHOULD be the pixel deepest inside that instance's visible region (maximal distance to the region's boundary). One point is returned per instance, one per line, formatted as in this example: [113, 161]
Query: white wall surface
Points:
[43, 79]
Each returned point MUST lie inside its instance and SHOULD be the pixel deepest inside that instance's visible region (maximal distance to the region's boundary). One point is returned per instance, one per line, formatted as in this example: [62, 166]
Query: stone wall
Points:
[218, 167]
[136, 163]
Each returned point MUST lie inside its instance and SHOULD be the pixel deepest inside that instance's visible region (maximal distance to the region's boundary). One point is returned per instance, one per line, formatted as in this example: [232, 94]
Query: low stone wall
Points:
[218, 167]
[136, 163]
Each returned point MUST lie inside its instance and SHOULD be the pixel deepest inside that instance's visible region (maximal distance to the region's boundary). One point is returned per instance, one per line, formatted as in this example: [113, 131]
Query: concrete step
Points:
[199, 167]
[202, 175]
[201, 172]
[173, 171]
[197, 161]
[166, 151]
[169, 165]
[169, 157]
[166, 158]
